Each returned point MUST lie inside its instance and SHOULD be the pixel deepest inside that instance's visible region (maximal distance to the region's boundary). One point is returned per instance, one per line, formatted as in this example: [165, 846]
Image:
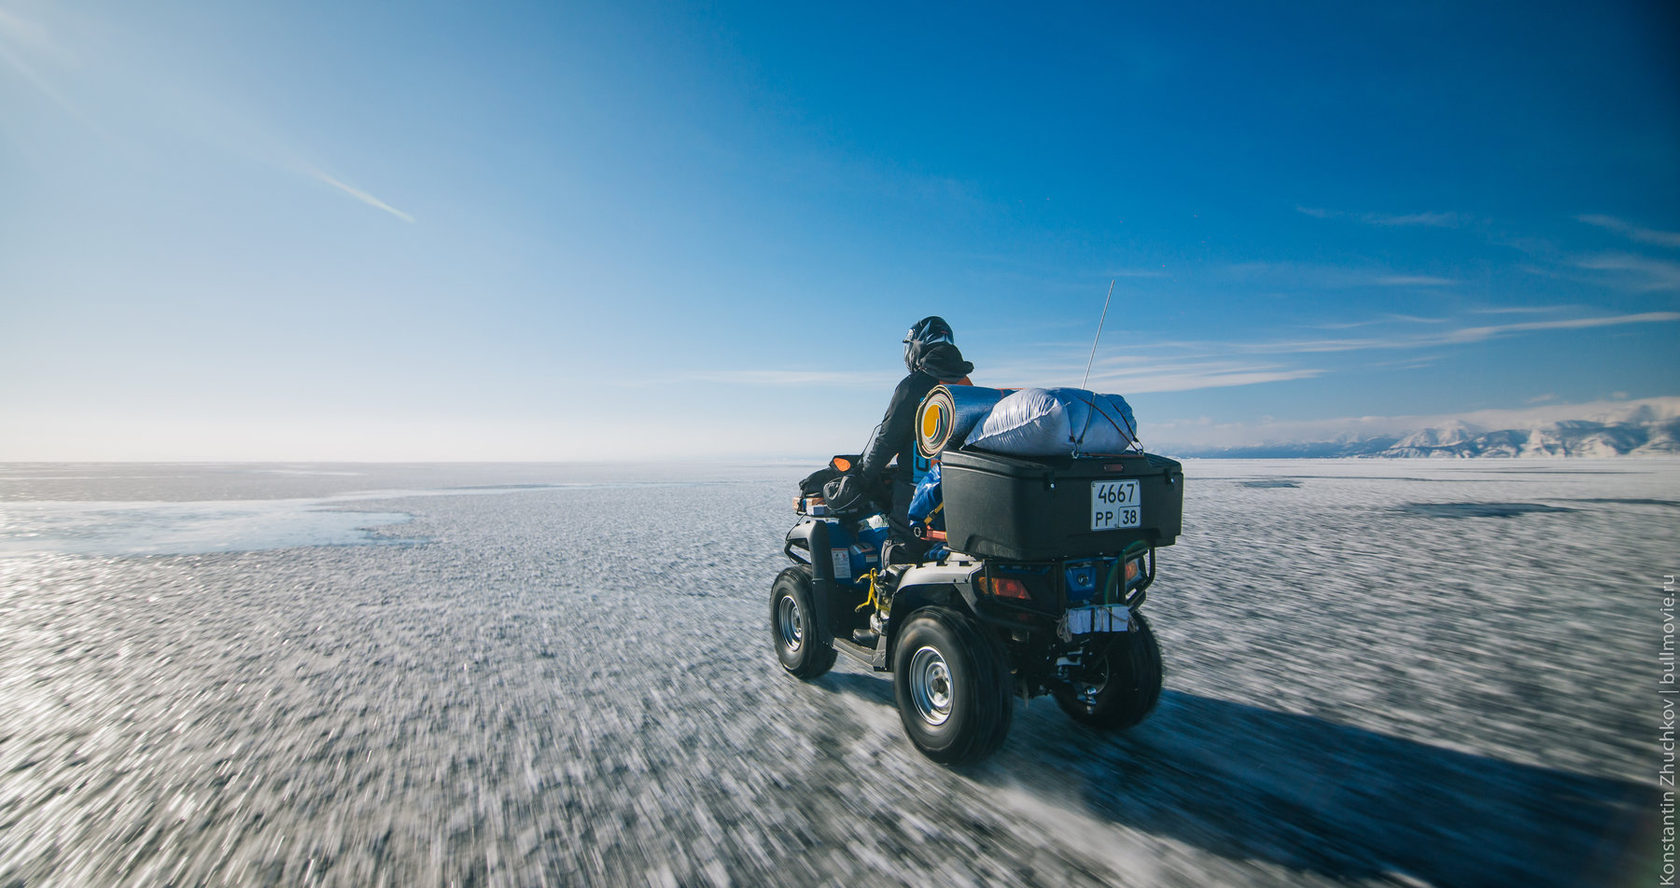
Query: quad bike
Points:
[1034, 587]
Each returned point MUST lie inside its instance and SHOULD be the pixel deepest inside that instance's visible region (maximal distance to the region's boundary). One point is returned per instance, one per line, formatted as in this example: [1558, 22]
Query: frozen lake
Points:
[1378, 672]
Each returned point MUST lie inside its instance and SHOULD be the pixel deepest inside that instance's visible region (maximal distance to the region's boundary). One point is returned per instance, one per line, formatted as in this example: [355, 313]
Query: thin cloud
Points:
[1331, 277]
[1325, 346]
[1429, 220]
[1178, 366]
[1537, 271]
[793, 378]
[360, 195]
[1412, 363]
[1478, 334]
[1132, 375]
[1634, 232]
[1457, 336]
[18, 35]
[1391, 220]
[1388, 318]
[27, 47]
[1191, 380]
[1643, 274]
[1413, 280]
[1521, 309]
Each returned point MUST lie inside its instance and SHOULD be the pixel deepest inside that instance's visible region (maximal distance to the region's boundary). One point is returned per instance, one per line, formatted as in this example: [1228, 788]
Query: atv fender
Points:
[813, 533]
[947, 585]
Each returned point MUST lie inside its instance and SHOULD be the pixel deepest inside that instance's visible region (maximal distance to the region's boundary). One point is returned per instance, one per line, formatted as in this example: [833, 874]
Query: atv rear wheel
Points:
[952, 685]
[793, 626]
[1121, 684]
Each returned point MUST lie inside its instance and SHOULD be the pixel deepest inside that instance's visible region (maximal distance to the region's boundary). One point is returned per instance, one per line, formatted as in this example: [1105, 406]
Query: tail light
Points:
[1004, 587]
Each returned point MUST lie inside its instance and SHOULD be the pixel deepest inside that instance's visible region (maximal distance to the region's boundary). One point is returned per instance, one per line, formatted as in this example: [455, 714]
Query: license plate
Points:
[1102, 618]
[1115, 504]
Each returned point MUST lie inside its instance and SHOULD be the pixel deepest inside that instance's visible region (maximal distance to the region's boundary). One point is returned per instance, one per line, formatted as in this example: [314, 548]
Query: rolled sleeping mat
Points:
[949, 413]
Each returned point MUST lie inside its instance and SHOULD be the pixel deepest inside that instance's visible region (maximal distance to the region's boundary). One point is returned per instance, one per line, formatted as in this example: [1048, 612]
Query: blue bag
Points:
[927, 507]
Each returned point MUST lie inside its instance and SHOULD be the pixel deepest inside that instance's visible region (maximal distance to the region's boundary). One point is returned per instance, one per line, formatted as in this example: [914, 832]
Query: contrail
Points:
[361, 195]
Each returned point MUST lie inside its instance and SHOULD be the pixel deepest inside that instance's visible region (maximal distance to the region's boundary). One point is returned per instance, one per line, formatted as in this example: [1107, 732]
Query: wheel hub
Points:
[930, 685]
[1096, 679]
[787, 623]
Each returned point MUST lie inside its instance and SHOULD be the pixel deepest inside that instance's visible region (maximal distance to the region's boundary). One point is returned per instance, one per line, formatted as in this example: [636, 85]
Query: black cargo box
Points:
[1039, 509]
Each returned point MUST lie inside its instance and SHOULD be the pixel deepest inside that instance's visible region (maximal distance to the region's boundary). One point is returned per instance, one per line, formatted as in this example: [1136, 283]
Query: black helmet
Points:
[927, 332]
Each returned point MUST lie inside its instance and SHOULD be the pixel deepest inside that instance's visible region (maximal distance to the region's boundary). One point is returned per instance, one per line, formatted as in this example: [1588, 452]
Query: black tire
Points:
[1128, 673]
[952, 685]
[793, 625]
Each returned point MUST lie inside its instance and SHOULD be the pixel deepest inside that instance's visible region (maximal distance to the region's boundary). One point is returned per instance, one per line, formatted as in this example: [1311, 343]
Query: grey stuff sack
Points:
[1057, 422]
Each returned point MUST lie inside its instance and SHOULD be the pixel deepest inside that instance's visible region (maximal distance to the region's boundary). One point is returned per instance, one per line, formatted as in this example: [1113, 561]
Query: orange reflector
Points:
[1132, 570]
[842, 465]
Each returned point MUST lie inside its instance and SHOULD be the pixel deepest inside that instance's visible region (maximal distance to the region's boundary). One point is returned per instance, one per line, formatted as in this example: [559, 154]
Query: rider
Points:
[931, 356]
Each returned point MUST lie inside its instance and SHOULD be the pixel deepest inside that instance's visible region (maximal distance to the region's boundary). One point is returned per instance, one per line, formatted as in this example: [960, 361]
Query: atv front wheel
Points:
[793, 626]
[952, 685]
[1121, 681]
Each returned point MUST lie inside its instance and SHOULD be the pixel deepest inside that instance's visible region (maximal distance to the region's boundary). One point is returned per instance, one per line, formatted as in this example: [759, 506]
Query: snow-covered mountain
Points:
[1640, 432]
[1569, 438]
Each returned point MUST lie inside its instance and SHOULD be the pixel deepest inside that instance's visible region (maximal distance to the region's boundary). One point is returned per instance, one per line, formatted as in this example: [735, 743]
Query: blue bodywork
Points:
[856, 545]
[1084, 578]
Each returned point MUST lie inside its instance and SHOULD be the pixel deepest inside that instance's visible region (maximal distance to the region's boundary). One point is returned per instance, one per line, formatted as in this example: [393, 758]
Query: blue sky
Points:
[504, 231]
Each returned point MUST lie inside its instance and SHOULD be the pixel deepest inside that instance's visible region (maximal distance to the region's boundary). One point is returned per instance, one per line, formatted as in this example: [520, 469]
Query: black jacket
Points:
[895, 436]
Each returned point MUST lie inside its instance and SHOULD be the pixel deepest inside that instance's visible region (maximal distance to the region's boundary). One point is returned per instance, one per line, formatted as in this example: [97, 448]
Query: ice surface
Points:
[571, 682]
[93, 528]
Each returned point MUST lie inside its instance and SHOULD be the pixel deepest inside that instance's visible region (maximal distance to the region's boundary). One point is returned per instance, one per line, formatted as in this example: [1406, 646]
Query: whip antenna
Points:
[1087, 379]
[1130, 429]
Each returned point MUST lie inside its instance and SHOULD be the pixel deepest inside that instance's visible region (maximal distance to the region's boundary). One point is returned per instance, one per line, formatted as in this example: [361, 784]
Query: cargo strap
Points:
[1130, 430]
